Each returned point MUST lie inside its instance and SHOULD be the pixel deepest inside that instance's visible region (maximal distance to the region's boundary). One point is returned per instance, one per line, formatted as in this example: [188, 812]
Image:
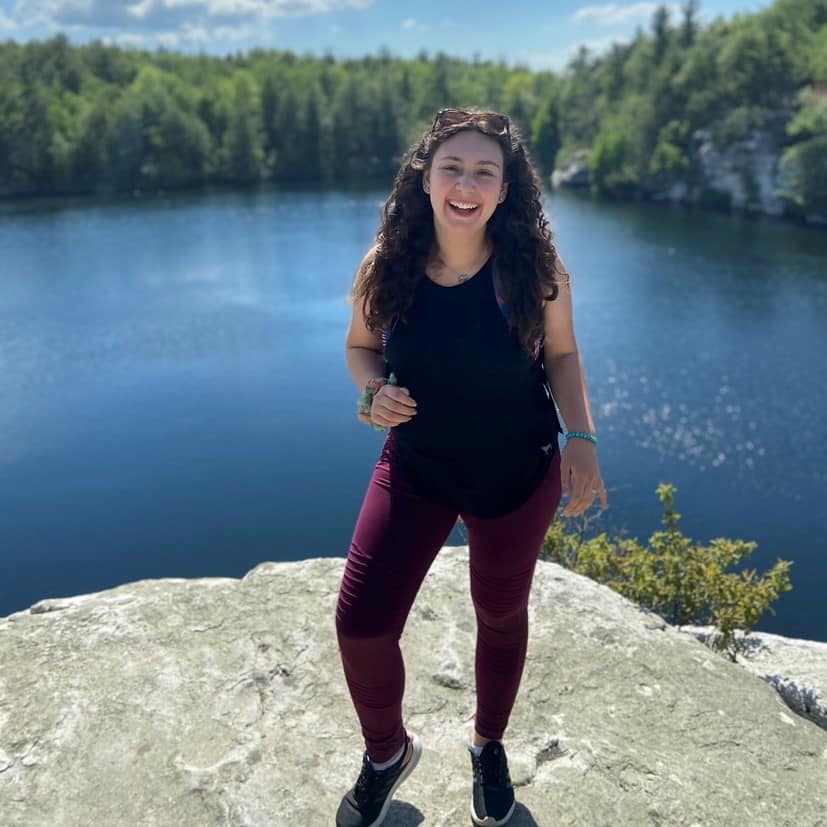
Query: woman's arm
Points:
[365, 360]
[566, 376]
[564, 367]
[363, 351]
[363, 348]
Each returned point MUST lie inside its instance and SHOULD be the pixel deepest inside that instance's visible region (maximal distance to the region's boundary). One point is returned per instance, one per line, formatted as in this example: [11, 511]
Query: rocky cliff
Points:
[744, 175]
[221, 702]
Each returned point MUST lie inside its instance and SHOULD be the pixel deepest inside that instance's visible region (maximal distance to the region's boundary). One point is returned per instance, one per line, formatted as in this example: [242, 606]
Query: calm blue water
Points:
[174, 400]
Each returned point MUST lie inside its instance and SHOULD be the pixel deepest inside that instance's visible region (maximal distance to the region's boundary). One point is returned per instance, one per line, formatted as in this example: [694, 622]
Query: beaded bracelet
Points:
[365, 401]
[582, 435]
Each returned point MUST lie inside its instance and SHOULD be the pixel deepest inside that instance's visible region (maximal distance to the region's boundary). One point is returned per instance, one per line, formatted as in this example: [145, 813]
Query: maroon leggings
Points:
[397, 537]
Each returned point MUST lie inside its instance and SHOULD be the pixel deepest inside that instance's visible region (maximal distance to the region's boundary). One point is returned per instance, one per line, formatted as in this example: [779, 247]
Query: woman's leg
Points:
[398, 534]
[503, 555]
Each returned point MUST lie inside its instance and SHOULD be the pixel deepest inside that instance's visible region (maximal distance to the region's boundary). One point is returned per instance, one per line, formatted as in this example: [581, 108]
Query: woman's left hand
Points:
[579, 460]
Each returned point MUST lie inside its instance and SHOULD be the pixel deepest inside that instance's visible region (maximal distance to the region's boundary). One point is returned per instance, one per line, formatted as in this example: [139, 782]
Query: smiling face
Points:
[465, 181]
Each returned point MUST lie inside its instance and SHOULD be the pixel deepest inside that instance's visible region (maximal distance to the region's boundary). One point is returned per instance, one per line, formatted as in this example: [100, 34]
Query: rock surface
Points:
[745, 174]
[796, 669]
[222, 702]
[574, 173]
[748, 171]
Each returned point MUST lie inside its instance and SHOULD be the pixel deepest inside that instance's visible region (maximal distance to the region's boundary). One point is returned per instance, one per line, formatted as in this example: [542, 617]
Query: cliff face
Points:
[748, 172]
[222, 702]
[744, 175]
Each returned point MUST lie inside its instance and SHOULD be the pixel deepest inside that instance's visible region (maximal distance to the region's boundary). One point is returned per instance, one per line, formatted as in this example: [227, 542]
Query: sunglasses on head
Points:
[493, 120]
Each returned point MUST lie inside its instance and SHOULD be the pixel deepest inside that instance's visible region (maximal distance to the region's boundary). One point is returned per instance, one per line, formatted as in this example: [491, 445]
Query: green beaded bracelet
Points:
[582, 435]
[365, 401]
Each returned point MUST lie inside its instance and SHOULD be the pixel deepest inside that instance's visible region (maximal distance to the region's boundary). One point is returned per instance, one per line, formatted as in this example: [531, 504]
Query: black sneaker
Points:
[366, 805]
[492, 801]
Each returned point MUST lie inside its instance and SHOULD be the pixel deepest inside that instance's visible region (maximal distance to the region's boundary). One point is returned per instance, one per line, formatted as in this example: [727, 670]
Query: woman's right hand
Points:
[392, 405]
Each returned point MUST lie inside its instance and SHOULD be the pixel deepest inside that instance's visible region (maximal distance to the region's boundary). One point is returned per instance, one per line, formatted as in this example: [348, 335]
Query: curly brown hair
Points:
[518, 229]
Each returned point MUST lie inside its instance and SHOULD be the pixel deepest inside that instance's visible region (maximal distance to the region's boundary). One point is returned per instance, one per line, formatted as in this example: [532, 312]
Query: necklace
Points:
[462, 277]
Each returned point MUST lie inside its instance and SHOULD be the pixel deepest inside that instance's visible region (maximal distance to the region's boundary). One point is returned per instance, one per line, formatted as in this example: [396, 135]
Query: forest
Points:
[101, 119]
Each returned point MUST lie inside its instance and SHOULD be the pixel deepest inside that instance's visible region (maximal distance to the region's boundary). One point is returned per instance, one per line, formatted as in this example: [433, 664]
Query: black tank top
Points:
[486, 427]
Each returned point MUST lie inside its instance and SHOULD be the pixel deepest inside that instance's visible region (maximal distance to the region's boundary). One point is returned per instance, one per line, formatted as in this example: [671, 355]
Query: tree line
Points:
[97, 118]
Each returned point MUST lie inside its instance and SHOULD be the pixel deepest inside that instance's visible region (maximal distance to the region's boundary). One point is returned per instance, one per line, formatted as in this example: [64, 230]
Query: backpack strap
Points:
[497, 279]
[501, 303]
[387, 332]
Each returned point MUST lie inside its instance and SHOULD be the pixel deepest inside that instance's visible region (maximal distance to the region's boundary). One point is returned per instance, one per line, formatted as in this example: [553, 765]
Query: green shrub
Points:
[805, 161]
[683, 582]
[670, 160]
[611, 171]
[738, 124]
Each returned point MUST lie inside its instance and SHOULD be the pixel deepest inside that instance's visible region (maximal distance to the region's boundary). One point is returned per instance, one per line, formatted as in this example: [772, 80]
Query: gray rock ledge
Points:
[222, 702]
[796, 668]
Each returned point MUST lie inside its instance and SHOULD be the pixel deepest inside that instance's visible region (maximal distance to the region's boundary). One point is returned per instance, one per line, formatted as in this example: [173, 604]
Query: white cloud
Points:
[190, 35]
[280, 8]
[245, 8]
[6, 23]
[169, 40]
[140, 10]
[558, 60]
[165, 16]
[409, 23]
[168, 23]
[234, 32]
[613, 14]
[193, 35]
[135, 41]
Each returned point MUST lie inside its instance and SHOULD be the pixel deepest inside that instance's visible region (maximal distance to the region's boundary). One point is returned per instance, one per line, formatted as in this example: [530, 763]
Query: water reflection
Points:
[656, 415]
[180, 360]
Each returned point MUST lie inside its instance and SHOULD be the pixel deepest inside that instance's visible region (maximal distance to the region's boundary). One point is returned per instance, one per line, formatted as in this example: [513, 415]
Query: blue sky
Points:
[537, 33]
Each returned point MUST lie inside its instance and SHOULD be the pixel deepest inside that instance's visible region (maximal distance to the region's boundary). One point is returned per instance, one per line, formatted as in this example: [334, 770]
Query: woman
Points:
[461, 319]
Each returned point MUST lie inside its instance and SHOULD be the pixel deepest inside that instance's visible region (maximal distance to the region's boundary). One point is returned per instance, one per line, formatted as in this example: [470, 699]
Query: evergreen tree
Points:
[269, 110]
[242, 152]
[545, 134]
[689, 22]
[98, 118]
[313, 165]
[660, 28]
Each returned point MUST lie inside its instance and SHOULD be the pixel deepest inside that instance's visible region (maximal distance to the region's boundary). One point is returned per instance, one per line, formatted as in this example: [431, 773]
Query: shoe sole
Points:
[490, 821]
[416, 751]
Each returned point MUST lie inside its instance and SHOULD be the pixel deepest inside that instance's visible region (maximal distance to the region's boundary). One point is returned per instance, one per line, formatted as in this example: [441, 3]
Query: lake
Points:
[174, 400]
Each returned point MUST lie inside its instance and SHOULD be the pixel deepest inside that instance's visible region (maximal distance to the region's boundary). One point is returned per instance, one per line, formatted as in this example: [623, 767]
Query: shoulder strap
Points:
[499, 295]
[497, 280]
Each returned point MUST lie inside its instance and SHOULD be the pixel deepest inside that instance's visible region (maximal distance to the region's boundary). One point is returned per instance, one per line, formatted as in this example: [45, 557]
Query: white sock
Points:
[476, 750]
[386, 764]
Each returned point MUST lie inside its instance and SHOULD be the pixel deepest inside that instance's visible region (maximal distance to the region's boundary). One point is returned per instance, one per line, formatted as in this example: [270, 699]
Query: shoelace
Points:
[370, 781]
[366, 781]
[492, 770]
